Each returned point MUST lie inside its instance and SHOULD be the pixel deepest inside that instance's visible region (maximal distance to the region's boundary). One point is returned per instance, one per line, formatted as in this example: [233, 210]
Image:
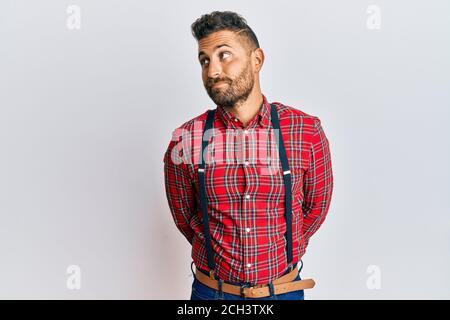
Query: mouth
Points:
[219, 84]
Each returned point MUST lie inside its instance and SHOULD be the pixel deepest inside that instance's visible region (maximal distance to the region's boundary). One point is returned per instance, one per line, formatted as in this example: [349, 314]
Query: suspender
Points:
[203, 202]
[287, 184]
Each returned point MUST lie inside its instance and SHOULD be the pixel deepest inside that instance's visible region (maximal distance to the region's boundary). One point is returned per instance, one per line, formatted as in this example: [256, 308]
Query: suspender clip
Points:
[290, 267]
[242, 290]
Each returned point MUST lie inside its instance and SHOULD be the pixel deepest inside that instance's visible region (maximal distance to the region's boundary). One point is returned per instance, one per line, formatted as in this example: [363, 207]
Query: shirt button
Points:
[247, 229]
[247, 196]
[246, 163]
[236, 119]
[246, 131]
[249, 265]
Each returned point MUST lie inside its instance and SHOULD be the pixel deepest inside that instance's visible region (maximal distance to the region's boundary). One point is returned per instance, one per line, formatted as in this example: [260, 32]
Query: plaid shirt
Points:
[245, 203]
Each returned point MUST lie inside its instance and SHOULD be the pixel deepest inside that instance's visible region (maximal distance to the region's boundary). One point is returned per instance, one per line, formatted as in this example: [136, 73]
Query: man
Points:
[249, 218]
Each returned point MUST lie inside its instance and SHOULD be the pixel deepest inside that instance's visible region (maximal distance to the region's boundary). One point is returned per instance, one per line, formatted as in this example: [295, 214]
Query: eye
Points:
[225, 53]
[202, 61]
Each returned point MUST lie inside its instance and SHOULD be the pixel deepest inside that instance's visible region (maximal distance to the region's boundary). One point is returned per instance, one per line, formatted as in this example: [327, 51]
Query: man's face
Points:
[227, 71]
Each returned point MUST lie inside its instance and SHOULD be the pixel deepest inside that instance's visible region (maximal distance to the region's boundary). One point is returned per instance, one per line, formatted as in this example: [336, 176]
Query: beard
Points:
[236, 90]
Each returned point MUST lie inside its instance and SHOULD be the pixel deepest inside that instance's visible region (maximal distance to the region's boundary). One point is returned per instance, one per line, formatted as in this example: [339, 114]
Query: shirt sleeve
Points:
[318, 183]
[179, 189]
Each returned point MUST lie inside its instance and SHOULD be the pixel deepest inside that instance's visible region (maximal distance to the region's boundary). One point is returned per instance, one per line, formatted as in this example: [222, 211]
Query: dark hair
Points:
[223, 20]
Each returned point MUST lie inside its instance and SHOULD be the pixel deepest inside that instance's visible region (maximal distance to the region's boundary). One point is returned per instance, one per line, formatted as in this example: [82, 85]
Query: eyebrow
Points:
[217, 47]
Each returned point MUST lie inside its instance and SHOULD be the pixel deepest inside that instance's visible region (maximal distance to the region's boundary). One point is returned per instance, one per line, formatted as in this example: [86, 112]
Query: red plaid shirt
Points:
[245, 204]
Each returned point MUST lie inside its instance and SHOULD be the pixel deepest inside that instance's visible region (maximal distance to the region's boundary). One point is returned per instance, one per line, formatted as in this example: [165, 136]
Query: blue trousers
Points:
[203, 292]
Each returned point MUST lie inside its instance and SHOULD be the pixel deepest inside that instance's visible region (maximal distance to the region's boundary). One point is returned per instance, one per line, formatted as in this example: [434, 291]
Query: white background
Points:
[86, 115]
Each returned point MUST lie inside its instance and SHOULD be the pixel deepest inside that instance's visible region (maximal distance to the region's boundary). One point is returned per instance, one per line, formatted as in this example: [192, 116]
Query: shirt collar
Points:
[262, 118]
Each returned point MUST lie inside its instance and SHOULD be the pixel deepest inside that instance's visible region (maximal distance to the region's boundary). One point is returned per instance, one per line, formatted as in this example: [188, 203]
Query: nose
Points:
[214, 69]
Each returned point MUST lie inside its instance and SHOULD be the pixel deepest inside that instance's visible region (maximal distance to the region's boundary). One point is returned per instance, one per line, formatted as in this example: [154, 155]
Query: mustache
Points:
[212, 82]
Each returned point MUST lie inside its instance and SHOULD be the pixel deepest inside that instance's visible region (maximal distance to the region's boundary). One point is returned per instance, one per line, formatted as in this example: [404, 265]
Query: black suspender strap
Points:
[203, 199]
[286, 179]
[287, 184]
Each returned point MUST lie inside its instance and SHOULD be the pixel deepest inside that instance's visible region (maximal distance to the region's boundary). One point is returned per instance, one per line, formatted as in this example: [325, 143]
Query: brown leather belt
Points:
[283, 284]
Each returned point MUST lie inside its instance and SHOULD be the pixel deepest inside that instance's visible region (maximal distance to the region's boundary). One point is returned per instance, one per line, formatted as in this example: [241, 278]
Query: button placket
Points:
[248, 261]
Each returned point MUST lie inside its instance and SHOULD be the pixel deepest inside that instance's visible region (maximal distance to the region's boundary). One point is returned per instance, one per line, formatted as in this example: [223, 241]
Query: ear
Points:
[258, 59]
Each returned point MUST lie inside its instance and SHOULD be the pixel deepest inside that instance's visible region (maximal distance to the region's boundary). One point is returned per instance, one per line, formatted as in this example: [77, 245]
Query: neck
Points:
[246, 110]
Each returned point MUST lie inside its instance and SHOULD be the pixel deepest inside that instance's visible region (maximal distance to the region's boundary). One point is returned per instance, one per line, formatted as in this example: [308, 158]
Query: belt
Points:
[283, 284]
